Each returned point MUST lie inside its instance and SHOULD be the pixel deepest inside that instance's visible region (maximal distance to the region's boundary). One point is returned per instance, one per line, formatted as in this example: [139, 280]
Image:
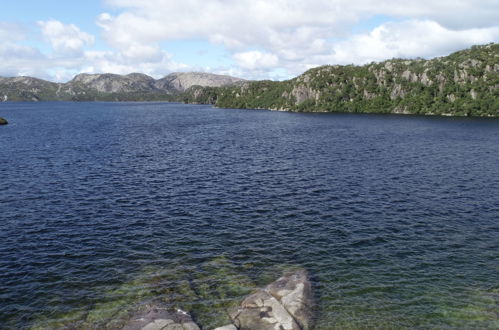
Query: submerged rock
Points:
[220, 287]
[3, 121]
[215, 294]
[262, 311]
[157, 317]
[227, 327]
[282, 305]
[295, 294]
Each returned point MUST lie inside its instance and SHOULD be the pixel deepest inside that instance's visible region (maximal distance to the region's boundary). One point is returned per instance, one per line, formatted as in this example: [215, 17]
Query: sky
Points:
[252, 39]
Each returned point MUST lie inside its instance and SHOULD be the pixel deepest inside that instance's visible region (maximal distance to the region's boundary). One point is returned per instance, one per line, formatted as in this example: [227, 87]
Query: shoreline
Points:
[446, 115]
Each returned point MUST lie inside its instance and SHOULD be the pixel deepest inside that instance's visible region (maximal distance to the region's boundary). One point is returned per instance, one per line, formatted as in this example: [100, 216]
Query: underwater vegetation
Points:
[215, 288]
[207, 292]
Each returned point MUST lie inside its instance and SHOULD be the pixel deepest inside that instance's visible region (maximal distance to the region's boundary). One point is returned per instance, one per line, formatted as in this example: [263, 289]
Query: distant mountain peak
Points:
[182, 81]
[109, 86]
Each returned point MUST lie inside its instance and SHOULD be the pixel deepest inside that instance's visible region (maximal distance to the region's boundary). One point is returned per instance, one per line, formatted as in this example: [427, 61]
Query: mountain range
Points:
[465, 83]
[109, 87]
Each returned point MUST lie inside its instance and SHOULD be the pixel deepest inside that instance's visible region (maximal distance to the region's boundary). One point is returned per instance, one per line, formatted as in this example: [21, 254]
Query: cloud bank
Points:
[261, 37]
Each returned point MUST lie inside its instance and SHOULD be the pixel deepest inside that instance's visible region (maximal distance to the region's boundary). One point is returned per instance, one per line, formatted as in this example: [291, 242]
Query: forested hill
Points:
[465, 83]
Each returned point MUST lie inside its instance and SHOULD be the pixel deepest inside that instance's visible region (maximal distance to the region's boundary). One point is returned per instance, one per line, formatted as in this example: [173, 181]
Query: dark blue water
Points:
[395, 217]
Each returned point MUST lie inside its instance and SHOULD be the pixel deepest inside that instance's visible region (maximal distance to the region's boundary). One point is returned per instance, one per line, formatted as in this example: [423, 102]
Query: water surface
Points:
[107, 204]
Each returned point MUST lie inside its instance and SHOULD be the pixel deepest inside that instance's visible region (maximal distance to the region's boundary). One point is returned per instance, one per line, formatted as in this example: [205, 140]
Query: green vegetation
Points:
[465, 83]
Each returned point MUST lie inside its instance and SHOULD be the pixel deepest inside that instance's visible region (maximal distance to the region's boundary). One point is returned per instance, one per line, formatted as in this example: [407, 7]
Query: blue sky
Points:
[252, 39]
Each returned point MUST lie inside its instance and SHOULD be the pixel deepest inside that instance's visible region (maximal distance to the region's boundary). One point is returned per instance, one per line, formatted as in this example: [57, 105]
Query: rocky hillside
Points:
[182, 81]
[108, 87]
[26, 89]
[465, 83]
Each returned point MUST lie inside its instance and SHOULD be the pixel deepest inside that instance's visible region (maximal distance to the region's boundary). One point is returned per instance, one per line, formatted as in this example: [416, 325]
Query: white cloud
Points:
[121, 63]
[256, 60]
[300, 34]
[263, 39]
[258, 22]
[66, 39]
[407, 40]
[11, 32]
[17, 59]
[71, 54]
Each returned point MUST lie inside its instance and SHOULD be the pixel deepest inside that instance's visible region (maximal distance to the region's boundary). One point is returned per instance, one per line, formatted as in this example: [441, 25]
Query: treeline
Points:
[465, 83]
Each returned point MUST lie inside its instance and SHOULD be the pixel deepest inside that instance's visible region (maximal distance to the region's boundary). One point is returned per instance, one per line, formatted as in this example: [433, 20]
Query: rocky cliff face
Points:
[463, 83]
[108, 87]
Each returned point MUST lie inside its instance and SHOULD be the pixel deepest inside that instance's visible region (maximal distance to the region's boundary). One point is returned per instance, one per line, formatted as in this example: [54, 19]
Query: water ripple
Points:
[395, 217]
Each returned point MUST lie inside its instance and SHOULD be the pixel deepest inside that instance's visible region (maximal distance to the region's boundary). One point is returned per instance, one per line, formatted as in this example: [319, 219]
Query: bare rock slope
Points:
[181, 81]
[109, 87]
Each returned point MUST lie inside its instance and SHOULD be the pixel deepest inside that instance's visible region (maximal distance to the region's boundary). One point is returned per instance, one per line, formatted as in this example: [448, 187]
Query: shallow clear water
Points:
[107, 204]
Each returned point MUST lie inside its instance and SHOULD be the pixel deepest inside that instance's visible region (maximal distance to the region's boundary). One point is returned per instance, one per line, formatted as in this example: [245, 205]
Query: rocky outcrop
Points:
[157, 317]
[112, 83]
[282, 305]
[302, 93]
[181, 81]
[3, 121]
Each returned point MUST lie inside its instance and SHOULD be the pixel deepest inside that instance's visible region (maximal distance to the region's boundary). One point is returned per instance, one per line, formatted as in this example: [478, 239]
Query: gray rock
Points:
[283, 305]
[111, 83]
[156, 317]
[3, 121]
[181, 81]
[227, 327]
[262, 311]
[295, 294]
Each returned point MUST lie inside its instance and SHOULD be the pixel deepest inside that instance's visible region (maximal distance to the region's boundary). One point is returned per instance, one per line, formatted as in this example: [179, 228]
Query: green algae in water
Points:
[271, 274]
[207, 292]
[211, 290]
[482, 311]
[436, 312]
[220, 286]
[73, 319]
[115, 305]
[357, 320]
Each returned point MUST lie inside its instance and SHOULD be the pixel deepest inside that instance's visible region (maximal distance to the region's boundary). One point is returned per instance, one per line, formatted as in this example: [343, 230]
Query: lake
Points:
[106, 205]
